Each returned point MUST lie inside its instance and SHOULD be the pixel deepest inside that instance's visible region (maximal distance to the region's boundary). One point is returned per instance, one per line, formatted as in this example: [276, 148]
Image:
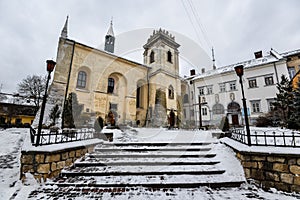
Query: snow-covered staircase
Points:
[155, 165]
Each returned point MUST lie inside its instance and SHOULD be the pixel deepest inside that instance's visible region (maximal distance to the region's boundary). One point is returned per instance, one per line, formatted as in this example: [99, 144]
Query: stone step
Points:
[161, 181]
[143, 170]
[149, 144]
[152, 155]
[145, 148]
[135, 163]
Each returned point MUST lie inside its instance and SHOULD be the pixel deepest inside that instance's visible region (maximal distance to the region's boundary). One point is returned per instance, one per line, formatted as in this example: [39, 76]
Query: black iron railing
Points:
[61, 136]
[268, 138]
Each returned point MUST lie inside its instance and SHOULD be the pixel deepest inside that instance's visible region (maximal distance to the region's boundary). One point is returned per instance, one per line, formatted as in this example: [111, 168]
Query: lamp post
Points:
[50, 67]
[200, 115]
[240, 72]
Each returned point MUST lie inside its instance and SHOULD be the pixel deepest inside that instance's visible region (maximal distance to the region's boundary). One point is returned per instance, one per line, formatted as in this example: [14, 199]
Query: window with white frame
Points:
[252, 83]
[204, 111]
[269, 80]
[255, 106]
[222, 87]
[232, 85]
[201, 90]
[271, 105]
[209, 89]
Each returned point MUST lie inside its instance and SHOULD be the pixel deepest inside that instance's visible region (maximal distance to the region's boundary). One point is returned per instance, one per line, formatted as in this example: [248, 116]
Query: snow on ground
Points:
[12, 188]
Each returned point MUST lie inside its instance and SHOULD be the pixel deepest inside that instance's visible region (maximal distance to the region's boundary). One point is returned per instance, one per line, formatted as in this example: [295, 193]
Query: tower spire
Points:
[110, 39]
[64, 32]
[110, 30]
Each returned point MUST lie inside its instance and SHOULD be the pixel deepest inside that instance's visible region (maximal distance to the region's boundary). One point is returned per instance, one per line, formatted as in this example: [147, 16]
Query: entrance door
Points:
[235, 120]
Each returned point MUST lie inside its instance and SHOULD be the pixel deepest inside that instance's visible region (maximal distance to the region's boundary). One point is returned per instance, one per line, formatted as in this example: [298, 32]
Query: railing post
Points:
[274, 138]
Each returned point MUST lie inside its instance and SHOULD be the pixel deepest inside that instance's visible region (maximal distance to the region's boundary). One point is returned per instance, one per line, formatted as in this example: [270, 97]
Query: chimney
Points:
[258, 54]
[203, 70]
[192, 72]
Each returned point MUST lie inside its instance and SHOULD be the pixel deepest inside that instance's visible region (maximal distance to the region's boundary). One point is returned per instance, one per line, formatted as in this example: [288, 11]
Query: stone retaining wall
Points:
[279, 171]
[43, 165]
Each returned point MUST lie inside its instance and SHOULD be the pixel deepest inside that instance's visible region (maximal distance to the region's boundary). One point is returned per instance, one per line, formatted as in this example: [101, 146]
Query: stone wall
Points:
[281, 171]
[43, 164]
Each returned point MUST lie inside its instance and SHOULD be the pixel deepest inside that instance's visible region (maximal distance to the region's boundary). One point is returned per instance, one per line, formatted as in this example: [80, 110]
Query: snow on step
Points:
[181, 180]
[144, 170]
[152, 162]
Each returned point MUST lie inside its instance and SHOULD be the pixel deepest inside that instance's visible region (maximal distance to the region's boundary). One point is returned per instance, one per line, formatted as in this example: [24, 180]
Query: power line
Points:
[190, 18]
[200, 25]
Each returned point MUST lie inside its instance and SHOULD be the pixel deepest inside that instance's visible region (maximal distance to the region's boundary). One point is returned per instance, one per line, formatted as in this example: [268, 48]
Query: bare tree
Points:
[33, 87]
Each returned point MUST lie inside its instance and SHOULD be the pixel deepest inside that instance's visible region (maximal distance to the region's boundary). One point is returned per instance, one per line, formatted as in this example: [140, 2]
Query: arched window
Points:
[152, 57]
[81, 79]
[110, 85]
[218, 109]
[169, 55]
[171, 92]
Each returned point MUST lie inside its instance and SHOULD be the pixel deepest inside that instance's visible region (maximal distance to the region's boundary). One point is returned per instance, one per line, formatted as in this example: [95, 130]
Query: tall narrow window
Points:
[171, 92]
[152, 57]
[201, 90]
[169, 54]
[204, 111]
[81, 80]
[222, 87]
[232, 86]
[111, 85]
[138, 97]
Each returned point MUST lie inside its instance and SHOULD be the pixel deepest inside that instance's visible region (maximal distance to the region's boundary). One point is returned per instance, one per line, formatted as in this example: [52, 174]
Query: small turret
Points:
[110, 39]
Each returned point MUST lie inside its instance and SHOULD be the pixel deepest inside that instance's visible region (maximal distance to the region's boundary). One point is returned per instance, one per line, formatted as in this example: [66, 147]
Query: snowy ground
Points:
[11, 188]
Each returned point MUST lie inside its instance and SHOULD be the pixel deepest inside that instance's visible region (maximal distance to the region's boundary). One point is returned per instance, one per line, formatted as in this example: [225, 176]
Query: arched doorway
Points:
[234, 110]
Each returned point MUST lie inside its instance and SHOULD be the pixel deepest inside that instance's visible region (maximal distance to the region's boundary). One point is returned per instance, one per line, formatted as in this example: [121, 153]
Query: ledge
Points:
[262, 150]
[61, 147]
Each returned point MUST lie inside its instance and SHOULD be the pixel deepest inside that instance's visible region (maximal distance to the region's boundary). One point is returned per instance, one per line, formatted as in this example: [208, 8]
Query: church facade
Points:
[105, 83]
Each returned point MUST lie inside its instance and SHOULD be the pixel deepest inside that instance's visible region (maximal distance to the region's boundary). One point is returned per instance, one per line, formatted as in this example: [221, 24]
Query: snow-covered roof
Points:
[273, 56]
[290, 53]
[15, 99]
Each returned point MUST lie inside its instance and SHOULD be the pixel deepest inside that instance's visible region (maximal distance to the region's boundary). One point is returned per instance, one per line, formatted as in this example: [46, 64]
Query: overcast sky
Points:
[29, 29]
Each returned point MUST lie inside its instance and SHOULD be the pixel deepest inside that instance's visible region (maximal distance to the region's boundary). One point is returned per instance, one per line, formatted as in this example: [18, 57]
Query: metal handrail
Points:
[267, 138]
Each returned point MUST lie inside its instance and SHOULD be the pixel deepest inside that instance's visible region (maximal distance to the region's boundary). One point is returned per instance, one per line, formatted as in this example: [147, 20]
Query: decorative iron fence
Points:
[62, 136]
[267, 138]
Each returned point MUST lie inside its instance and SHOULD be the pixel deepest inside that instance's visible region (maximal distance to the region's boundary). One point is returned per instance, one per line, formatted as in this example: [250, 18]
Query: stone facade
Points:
[272, 170]
[105, 82]
[43, 165]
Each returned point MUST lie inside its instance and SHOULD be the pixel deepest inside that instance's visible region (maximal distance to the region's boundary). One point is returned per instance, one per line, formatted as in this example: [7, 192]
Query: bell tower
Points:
[161, 52]
[110, 39]
[162, 55]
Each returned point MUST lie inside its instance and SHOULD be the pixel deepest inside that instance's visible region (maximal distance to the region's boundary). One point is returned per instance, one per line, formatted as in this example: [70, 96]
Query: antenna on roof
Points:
[213, 58]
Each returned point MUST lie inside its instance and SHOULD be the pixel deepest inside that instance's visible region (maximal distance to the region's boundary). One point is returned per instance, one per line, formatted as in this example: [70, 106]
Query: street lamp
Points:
[50, 67]
[240, 72]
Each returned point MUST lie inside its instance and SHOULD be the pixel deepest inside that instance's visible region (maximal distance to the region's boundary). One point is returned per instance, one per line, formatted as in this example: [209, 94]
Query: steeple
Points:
[110, 39]
[64, 32]
[110, 30]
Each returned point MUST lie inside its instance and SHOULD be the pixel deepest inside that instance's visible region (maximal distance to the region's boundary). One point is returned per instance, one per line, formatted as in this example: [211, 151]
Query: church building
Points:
[143, 94]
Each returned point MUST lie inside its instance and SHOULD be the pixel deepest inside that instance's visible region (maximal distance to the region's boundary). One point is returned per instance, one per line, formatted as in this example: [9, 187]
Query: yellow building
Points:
[16, 113]
[104, 82]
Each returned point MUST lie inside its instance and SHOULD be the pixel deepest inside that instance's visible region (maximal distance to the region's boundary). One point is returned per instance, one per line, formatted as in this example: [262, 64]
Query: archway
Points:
[234, 110]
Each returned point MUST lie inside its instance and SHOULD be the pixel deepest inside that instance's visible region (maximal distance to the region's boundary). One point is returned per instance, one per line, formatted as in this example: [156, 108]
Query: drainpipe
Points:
[275, 68]
[148, 100]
